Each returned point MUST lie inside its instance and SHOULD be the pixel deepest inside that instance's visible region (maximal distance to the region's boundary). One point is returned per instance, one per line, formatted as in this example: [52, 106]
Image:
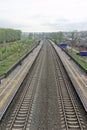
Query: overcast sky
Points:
[44, 15]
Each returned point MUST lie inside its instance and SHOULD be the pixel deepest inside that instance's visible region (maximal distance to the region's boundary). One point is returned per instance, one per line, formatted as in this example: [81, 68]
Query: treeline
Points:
[56, 36]
[9, 35]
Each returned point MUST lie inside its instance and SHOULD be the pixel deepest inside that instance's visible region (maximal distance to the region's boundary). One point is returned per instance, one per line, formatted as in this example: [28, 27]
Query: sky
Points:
[44, 15]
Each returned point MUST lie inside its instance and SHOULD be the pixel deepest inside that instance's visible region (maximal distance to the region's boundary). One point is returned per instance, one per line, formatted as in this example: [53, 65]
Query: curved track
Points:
[46, 100]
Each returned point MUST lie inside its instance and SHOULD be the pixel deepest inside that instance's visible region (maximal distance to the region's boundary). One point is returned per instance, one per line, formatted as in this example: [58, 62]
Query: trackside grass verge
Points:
[12, 52]
[82, 60]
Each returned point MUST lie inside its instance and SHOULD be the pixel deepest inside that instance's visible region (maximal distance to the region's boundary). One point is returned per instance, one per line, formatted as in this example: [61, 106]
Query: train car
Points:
[63, 45]
[82, 53]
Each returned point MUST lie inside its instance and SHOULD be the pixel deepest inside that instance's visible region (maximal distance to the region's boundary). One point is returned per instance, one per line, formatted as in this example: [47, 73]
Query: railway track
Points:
[46, 100]
[20, 116]
[69, 112]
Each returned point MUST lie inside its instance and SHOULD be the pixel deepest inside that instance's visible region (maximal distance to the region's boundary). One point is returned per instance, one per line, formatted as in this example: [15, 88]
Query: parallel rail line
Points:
[70, 116]
[19, 118]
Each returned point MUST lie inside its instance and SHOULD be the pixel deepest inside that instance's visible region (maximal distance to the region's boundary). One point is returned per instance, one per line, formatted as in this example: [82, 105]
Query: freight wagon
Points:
[82, 53]
[63, 45]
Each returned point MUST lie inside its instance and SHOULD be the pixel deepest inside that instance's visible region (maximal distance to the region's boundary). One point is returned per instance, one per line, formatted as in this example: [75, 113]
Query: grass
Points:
[82, 60]
[12, 52]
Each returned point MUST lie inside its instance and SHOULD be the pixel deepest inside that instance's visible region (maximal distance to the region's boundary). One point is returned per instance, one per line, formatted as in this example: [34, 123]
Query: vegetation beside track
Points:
[13, 51]
[82, 60]
[9, 35]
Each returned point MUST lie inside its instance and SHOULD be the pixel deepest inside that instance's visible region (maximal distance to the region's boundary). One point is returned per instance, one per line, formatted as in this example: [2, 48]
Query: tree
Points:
[9, 35]
[74, 37]
[60, 36]
[57, 36]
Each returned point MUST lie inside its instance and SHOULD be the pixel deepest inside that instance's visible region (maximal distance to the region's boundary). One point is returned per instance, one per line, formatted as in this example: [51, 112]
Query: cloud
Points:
[39, 25]
[43, 15]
